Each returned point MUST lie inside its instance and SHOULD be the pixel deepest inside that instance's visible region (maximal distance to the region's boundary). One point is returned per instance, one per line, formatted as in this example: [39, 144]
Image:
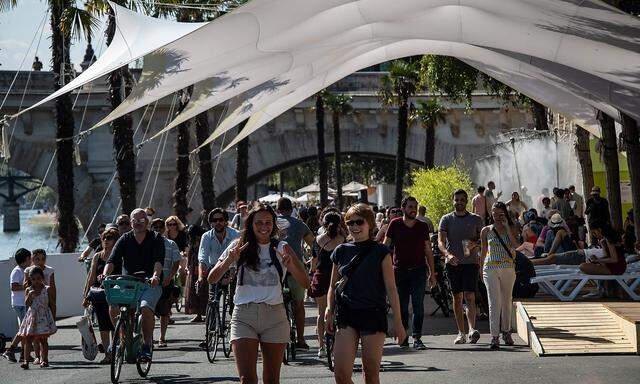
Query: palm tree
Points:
[397, 87]
[339, 104]
[66, 21]
[631, 136]
[612, 168]
[583, 151]
[242, 166]
[204, 163]
[120, 83]
[181, 182]
[430, 113]
[322, 160]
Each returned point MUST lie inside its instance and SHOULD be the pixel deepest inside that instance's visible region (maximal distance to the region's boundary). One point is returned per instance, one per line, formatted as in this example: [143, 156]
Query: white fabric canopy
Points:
[571, 55]
[313, 188]
[354, 186]
[274, 197]
[136, 36]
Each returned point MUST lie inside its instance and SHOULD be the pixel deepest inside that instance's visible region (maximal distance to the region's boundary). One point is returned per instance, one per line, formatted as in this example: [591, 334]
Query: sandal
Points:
[44, 364]
[162, 344]
[24, 365]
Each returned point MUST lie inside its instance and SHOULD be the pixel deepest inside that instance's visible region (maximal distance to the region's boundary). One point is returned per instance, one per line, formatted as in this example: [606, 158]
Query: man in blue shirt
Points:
[214, 242]
[294, 232]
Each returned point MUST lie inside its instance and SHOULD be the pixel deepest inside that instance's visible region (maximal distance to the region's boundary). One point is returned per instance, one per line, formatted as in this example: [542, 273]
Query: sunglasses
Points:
[172, 225]
[357, 222]
[396, 211]
[218, 220]
[139, 221]
[120, 224]
[108, 238]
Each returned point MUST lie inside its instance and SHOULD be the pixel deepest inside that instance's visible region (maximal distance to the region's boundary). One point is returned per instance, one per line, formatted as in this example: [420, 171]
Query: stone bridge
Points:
[290, 139]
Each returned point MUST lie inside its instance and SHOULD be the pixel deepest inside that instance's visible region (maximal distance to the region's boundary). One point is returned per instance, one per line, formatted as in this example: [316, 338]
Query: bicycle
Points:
[441, 292]
[124, 292]
[217, 325]
[290, 350]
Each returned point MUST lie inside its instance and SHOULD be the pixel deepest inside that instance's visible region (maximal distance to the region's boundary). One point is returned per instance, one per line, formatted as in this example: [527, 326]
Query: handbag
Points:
[88, 337]
[502, 242]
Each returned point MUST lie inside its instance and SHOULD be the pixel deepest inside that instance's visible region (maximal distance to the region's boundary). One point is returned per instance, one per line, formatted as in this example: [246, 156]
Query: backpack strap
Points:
[274, 258]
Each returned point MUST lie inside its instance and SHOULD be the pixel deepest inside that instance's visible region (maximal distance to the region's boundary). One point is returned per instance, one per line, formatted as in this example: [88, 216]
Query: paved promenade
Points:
[183, 362]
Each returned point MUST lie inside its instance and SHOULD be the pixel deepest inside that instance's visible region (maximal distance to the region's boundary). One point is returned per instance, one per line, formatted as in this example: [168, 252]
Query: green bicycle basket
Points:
[123, 292]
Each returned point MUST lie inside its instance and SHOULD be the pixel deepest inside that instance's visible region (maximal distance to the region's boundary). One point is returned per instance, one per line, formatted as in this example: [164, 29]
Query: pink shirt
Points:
[479, 203]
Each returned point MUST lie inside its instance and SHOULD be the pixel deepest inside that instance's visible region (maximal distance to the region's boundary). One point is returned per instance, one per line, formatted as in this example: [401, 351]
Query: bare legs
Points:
[345, 352]
[470, 298]
[322, 306]
[272, 354]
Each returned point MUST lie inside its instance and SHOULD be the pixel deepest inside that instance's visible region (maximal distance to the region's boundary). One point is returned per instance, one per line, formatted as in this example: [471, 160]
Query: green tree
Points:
[339, 104]
[456, 81]
[397, 86]
[433, 187]
[430, 113]
[322, 158]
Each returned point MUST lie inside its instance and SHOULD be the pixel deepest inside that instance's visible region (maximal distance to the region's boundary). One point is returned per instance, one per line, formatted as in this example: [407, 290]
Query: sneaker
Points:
[506, 337]
[145, 354]
[302, 346]
[474, 336]
[461, 339]
[24, 365]
[322, 353]
[100, 348]
[162, 344]
[10, 355]
[405, 343]
[44, 364]
[419, 345]
[495, 343]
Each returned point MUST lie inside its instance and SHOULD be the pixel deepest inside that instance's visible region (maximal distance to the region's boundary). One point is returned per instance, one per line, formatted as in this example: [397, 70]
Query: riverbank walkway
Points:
[184, 362]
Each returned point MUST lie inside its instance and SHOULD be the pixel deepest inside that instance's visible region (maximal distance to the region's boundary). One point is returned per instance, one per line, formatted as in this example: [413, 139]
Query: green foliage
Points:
[429, 113]
[456, 80]
[338, 102]
[433, 187]
[402, 82]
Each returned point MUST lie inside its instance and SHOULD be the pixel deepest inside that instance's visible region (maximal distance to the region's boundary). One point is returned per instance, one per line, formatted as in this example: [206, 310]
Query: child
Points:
[39, 322]
[23, 260]
[39, 259]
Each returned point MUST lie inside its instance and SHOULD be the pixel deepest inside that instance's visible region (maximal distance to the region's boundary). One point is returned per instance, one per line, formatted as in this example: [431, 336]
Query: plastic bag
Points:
[89, 344]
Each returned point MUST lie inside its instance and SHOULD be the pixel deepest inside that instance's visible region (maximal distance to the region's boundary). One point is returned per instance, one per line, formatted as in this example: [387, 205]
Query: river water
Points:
[35, 232]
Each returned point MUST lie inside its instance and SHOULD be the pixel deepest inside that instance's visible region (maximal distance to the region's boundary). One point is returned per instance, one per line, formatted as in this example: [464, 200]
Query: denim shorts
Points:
[21, 312]
[150, 296]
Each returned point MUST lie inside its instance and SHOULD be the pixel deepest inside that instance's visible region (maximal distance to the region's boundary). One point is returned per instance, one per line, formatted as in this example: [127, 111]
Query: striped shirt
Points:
[497, 256]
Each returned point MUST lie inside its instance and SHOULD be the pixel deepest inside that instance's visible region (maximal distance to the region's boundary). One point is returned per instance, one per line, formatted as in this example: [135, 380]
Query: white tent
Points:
[274, 197]
[268, 55]
[313, 188]
[307, 197]
[354, 186]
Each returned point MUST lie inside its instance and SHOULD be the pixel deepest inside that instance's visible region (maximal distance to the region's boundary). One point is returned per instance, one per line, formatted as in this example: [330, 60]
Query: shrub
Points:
[433, 188]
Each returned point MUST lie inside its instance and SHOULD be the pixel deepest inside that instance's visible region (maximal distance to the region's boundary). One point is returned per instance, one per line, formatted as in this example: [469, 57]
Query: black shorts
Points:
[462, 277]
[163, 308]
[365, 321]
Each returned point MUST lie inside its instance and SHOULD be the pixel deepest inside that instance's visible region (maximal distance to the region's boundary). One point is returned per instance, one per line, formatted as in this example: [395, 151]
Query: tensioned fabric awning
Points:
[575, 56]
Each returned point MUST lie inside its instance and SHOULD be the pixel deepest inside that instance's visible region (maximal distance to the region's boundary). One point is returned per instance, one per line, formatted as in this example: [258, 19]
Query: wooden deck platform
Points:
[557, 328]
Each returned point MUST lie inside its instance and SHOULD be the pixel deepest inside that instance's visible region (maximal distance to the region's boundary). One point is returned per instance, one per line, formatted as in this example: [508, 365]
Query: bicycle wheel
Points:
[226, 328]
[117, 351]
[211, 335]
[144, 368]
[328, 345]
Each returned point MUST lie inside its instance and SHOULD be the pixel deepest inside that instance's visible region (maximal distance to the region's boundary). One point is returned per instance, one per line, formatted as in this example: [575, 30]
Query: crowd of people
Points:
[364, 268]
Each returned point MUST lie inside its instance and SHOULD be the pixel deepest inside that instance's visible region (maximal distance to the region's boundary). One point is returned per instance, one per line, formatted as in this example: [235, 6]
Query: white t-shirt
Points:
[48, 272]
[17, 276]
[261, 285]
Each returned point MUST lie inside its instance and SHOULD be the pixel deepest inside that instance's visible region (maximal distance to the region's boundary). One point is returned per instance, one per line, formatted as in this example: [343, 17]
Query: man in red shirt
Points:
[409, 240]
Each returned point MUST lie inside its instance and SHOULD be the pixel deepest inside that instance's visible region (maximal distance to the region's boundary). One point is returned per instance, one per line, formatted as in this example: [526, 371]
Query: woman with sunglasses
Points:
[497, 258]
[95, 295]
[360, 309]
[259, 317]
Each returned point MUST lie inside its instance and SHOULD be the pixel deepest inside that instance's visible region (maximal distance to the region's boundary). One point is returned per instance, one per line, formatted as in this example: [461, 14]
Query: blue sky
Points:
[17, 29]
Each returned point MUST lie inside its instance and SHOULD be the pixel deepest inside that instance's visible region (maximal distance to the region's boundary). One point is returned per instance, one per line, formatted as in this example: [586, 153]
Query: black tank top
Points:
[99, 269]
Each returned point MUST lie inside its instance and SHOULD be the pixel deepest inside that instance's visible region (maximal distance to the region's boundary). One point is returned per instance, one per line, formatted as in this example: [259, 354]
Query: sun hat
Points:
[556, 221]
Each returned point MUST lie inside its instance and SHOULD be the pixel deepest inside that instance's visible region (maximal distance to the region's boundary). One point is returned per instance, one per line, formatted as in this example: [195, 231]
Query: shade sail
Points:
[136, 35]
[313, 188]
[571, 55]
[354, 186]
[274, 197]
